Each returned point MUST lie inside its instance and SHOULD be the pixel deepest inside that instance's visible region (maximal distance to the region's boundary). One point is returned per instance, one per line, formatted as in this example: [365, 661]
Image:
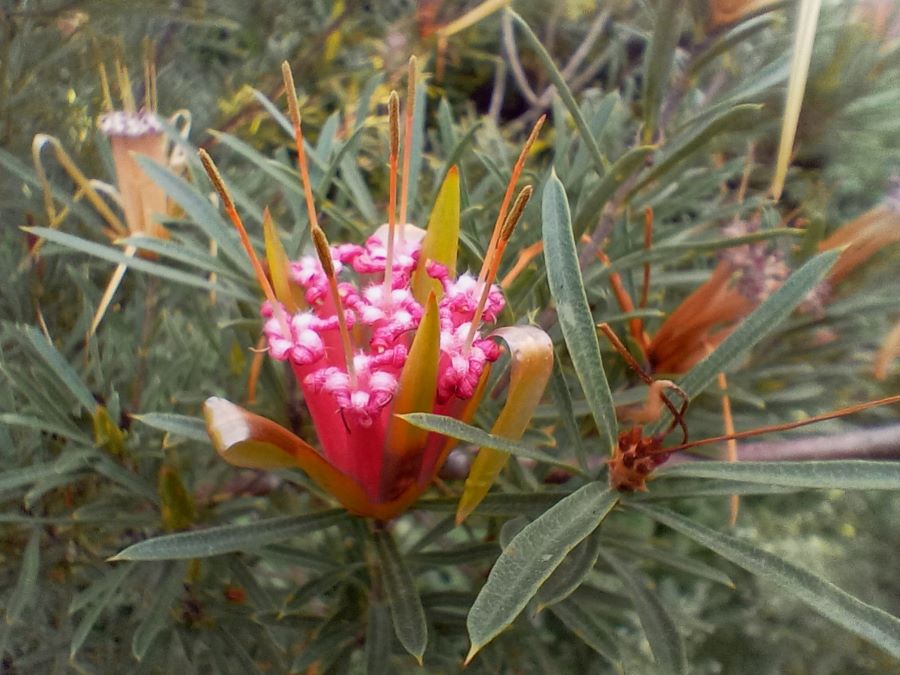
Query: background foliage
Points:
[100, 439]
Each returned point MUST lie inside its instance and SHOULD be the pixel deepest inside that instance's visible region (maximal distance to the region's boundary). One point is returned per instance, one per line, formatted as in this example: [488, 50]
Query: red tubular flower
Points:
[378, 330]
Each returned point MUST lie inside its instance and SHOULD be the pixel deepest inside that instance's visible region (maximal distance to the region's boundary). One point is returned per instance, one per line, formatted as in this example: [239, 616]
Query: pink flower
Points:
[379, 330]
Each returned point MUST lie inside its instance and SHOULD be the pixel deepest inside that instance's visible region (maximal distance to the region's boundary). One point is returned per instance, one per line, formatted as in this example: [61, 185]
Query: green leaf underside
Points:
[454, 428]
[230, 538]
[662, 634]
[837, 474]
[532, 556]
[403, 598]
[870, 623]
[573, 311]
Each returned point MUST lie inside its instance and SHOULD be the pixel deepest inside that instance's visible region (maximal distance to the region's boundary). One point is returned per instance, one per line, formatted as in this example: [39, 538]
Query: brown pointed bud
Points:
[515, 213]
[290, 92]
[394, 122]
[323, 251]
[216, 179]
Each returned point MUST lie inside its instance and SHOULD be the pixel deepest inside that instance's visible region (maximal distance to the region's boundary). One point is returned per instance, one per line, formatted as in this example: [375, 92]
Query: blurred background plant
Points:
[675, 107]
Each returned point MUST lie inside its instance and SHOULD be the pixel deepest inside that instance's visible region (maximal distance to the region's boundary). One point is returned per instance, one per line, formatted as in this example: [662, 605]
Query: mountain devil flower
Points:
[131, 131]
[378, 330]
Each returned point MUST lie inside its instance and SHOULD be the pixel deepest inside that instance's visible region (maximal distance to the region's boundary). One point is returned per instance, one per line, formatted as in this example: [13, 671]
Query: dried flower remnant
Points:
[744, 276]
[131, 131]
[383, 329]
[637, 455]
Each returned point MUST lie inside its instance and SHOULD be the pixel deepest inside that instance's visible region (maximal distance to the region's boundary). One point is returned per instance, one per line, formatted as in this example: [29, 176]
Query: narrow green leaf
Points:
[531, 558]
[664, 556]
[658, 64]
[570, 573]
[841, 475]
[60, 366]
[762, 321]
[229, 538]
[726, 41]
[579, 332]
[568, 431]
[871, 623]
[704, 487]
[596, 636]
[171, 583]
[29, 422]
[24, 591]
[378, 639]
[662, 634]
[449, 426]
[180, 425]
[116, 256]
[698, 137]
[589, 207]
[198, 207]
[406, 606]
[110, 585]
[600, 162]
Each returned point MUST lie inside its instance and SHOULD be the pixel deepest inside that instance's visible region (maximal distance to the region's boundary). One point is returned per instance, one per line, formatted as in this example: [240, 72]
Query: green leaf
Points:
[600, 162]
[171, 584]
[23, 593]
[378, 639]
[658, 64]
[589, 207]
[870, 623]
[193, 428]
[569, 435]
[570, 573]
[664, 556]
[230, 538]
[116, 256]
[531, 557]
[841, 475]
[109, 584]
[60, 367]
[762, 321]
[199, 209]
[698, 137]
[406, 606]
[596, 636]
[449, 426]
[579, 332]
[704, 487]
[662, 634]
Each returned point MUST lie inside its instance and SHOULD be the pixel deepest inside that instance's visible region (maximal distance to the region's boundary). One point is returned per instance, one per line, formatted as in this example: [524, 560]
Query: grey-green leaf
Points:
[571, 572]
[870, 623]
[567, 288]
[843, 475]
[578, 619]
[449, 426]
[532, 556]
[23, 593]
[660, 56]
[406, 606]
[61, 367]
[180, 425]
[164, 595]
[229, 538]
[662, 634]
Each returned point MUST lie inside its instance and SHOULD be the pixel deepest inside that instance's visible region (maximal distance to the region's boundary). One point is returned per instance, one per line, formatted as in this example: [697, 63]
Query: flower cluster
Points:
[382, 323]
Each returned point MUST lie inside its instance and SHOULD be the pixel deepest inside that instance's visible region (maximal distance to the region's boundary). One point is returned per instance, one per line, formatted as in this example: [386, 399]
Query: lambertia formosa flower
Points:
[379, 330]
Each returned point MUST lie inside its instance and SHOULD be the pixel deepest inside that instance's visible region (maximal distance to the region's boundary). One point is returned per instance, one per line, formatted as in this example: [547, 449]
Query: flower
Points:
[131, 131]
[379, 330]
